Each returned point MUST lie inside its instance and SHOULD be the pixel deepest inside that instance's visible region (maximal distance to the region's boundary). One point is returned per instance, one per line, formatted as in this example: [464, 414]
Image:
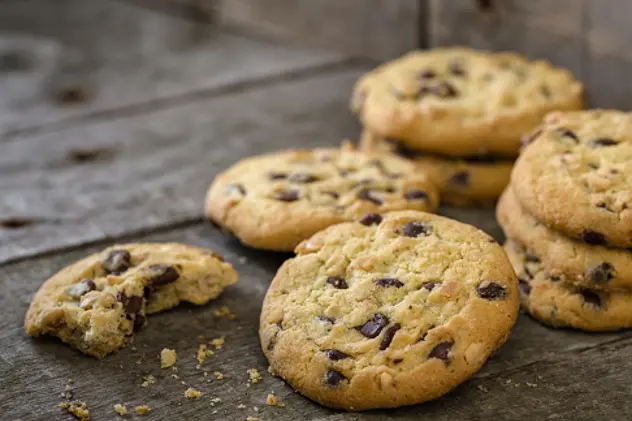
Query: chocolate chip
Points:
[273, 175]
[427, 74]
[81, 288]
[601, 273]
[456, 69]
[15, 222]
[604, 142]
[303, 178]
[430, 285]
[530, 137]
[416, 229]
[163, 275]
[368, 195]
[593, 238]
[441, 351]
[530, 257]
[287, 195]
[147, 292]
[398, 360]
[389, 334]
[491, 290]
[326, 319]
[335, 355]
[117, 262]
[389, 282]
[554, 278]
[334, 378]
[546, 91]
[337, 282]
[591, 297]
[132, 305]
[371, 219]
[374, 325]
[416, 194]
[442, 90]
[139, 322]
[461, 178]
[524, 287]
[331, 193]
[568, 133]
[236, 188]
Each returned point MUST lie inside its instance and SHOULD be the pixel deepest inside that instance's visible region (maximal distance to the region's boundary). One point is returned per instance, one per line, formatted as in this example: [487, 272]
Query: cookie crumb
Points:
[252, 419]
[272, 400]
[241, 406]
[482, 388]
[218, 375]
[253, 376]
[121, 410]
[77, 409]
[148, 380]
[215, 401]
[218, 343]
[224, 311]
[202, 354]
[168, 358]
[242, 259]
[271, 371]
[191, 393]
[532, 385]
[142, 409]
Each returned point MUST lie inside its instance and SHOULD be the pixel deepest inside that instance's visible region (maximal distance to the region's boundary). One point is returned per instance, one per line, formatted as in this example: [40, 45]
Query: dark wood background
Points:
[115, 116]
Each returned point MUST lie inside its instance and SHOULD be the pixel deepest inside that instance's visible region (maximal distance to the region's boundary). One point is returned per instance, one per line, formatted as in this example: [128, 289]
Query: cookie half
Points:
[595, 267]
[458, 101]
[97, 304]
[389, 311]
[277, 200]
[462, 181]
[575, 176]
[556, 303]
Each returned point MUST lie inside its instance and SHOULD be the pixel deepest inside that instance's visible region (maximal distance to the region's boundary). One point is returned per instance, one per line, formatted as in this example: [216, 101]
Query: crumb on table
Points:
[203, 353]
[253, 376]
[148, 380]
[218, 343]
[191, 393]
[77, 409]
[142, 409]
[272, 400]
[120, 409]
[224, 311]
[168, 358]
[218, 375]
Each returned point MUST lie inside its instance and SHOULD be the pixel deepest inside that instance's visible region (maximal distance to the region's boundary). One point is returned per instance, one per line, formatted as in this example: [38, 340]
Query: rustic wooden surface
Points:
[84, 179]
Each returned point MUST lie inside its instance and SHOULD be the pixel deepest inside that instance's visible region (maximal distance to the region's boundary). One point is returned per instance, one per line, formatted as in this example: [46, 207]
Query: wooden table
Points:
[113, 120]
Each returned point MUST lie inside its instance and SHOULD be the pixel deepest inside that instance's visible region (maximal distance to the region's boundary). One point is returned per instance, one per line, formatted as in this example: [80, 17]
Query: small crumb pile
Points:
[142, 409]
[253, 376]
[224, 311]
[218, 343]
[121, 410]
[77, 409]
[191, 393]
[148, 380]
[202, 354]
[168, 358]
[272, 400]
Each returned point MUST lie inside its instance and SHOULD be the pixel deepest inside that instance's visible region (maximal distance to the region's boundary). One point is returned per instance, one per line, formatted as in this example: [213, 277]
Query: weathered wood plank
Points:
[153, 169]
[65, 59]
[578, 376]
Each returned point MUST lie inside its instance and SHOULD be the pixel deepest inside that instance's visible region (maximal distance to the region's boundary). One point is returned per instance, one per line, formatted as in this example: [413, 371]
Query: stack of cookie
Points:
[460, 114]
[568, 217]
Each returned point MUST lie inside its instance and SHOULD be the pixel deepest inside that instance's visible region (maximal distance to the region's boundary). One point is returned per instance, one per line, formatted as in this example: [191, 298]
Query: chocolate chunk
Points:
[369, 195]
[524, 287]
[335, 355]
[461, 178]
[371, 219]
[430, 285]
[398, 360]
[236, 188]
[389, 282]
[147, 292]
[337, 282]
[331, 193]
[546, 91]
[273, 175]
[389, 334]
[568, 133]
[456, 69]
[326, 319]
[139, 322]
[530, 257]
[416, 229]
[604, 141]
[81, 288]
[117, 262]
[416, 194]
[427, 74]
[374, 325]
[491, 290]
[132, 305]
[163, 275]
[287, 195]
[441, 351]
[303, 178]
[591, 297]
[334, 378]
[601, 273]
[593, 238]
[442, 90]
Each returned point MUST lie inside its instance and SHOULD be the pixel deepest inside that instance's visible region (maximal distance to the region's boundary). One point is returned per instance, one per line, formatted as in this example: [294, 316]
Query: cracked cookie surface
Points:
[388, 311]
[98, 303]
[462, 181]
[275, 201]
[557, 303]
[458, 101]
[595, 267]
[575, 176]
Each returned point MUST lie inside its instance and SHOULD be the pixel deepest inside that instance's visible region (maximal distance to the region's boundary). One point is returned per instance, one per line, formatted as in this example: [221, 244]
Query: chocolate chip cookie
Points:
[275, 201]
[391, 310]
[575, 176]
[557, 303]
[457, 101]
[462, 181]
[97, 304]
[594, 267]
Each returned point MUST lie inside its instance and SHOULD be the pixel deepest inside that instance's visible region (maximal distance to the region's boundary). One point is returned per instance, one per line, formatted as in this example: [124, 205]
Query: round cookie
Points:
[575, 176]
[595, 267]
[388, 311]
[98, 303]
[461, 102]
[277, 200]
[462, 181]
[559, 304]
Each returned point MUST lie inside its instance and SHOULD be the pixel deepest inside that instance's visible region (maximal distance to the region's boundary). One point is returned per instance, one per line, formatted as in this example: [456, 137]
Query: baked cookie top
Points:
[460, 101]
[596, 267]
[98, 303]
[555, 302]
[392, 310]
[275, 201]
[575, 176]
